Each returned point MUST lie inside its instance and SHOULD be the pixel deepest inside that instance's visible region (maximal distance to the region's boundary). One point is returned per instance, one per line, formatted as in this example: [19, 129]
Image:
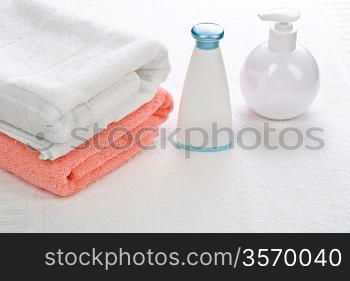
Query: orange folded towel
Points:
[106, 151]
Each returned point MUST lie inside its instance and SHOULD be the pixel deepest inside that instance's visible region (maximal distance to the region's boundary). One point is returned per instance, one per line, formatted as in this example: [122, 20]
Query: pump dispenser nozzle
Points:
[283, 36]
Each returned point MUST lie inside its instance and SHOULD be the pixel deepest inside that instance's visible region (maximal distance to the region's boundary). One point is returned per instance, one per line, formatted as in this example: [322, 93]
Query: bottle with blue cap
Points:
[205, 109]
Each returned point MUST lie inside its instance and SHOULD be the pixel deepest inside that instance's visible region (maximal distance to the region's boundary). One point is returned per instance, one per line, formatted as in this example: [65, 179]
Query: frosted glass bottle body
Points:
[205, 109]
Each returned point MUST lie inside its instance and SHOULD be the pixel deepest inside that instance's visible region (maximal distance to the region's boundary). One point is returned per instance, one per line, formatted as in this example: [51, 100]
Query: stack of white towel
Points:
[59, 73]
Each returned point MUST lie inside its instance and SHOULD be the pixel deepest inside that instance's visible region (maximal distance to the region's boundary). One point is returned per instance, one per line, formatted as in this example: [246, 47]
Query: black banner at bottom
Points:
[218, 255]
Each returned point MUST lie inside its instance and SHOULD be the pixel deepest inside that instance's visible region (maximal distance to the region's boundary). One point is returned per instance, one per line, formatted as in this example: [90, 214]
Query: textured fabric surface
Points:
[105, 152]
[60, 70]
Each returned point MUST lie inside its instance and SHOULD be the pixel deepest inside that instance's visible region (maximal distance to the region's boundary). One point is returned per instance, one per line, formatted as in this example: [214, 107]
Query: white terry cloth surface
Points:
[60, 71]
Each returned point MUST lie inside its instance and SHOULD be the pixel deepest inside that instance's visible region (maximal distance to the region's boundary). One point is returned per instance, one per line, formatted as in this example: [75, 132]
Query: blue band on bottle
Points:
[204, 149]
[207, 45]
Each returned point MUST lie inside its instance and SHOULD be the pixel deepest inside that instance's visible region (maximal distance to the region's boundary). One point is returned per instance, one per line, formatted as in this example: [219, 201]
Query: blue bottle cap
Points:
[207, 35]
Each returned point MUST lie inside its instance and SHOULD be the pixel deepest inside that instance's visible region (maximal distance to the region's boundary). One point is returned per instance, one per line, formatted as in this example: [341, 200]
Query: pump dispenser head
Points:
[283, 36]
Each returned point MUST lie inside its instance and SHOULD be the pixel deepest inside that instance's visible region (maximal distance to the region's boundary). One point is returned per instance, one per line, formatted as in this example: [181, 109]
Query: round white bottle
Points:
[205, 109]
[280, 79]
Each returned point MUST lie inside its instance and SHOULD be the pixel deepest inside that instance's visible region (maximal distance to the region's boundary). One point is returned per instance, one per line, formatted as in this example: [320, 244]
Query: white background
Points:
[234, 191]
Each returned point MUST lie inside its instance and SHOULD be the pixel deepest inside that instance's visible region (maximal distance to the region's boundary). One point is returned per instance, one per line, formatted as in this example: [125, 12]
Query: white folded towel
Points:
[59, 72]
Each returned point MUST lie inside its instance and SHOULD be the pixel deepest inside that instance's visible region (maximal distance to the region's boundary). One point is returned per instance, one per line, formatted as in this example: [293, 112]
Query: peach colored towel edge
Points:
[89, 162]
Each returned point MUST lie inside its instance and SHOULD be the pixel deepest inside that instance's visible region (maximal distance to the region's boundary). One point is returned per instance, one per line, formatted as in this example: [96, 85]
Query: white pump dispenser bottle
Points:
[205, 109]
[280, 79]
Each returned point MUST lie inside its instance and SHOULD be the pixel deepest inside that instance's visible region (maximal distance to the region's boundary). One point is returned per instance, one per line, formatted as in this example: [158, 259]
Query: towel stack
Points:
[67, 82]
